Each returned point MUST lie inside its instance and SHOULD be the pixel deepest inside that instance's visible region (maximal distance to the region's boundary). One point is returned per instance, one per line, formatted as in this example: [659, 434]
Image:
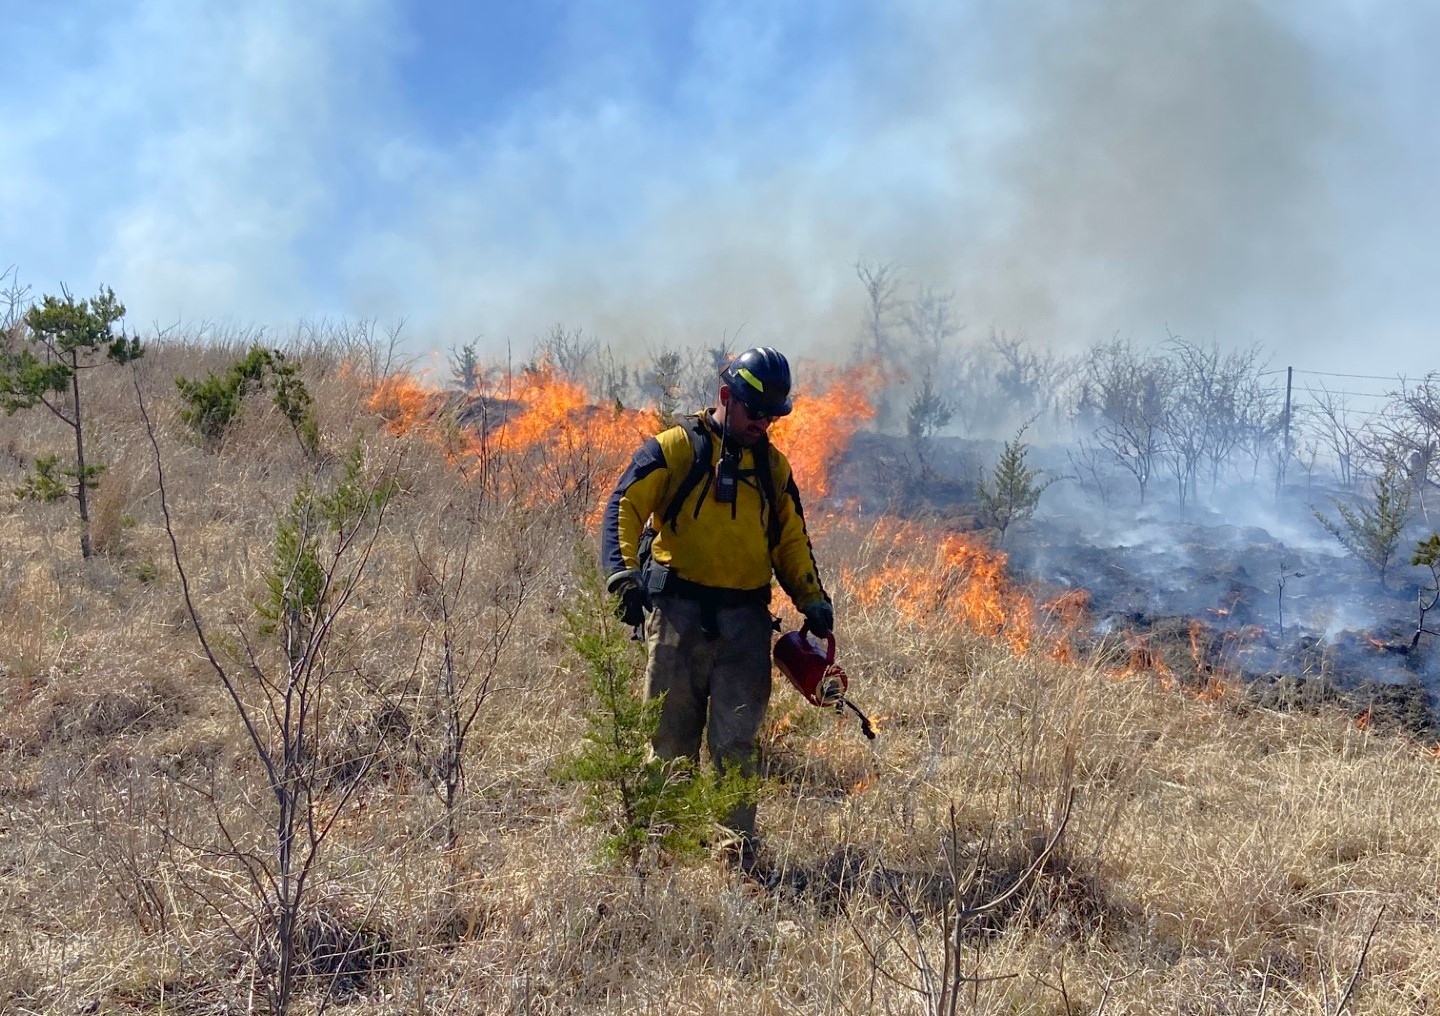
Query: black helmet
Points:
[760, 378]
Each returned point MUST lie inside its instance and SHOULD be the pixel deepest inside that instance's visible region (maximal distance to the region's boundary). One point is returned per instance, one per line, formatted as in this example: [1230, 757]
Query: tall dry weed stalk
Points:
[478, 569]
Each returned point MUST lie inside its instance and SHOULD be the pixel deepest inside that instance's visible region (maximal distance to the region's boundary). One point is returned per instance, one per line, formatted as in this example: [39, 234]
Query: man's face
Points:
[747, 428]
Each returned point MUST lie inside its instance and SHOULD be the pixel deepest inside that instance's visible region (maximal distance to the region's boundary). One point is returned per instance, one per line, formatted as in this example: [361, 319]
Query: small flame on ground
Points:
[1213, 690]
[962, 581]
[783, 724]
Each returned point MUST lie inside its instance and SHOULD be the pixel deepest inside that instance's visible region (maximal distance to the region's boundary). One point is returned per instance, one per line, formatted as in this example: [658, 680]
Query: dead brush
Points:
[334, 956]
[967, 900]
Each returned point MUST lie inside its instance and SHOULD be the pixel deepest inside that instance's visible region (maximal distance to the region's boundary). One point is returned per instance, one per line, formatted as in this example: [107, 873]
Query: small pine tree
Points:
[212, 405]
[465, 368]
[1012, 493]
[42, 484]
[927, 415]
[664, 384]
[294, 401]
[298, 586]
[639, 800]
[1370, 530]
[63, 338]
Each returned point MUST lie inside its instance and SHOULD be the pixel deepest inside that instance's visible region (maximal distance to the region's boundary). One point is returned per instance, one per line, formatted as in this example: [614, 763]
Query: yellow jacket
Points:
[723, 546]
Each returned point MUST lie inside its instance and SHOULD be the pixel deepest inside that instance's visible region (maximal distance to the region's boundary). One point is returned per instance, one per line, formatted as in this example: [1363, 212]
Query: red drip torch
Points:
[809, 664]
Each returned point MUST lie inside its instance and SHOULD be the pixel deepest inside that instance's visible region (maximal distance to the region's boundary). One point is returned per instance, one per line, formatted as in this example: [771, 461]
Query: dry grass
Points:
[1216, 855]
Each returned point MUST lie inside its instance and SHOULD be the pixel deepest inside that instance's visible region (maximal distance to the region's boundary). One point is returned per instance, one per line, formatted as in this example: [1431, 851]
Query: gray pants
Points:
[730, 675]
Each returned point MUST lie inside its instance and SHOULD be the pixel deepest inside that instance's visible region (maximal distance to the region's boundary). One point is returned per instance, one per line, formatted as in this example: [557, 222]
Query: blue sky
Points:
[681, 172]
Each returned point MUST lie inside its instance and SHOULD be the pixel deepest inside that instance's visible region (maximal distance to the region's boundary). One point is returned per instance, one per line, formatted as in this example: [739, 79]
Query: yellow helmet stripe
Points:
[751, 378]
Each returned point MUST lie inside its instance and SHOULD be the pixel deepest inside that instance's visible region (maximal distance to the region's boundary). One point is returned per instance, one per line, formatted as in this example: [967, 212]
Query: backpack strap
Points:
[701, 447]
[767, 491]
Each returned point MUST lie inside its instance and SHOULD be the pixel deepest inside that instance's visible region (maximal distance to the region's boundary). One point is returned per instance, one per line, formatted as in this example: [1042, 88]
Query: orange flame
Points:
[1066, 613]
[554, 442]
[1214, 690]
[404, 403]
[548, 441]
[962, 581]
[815, 435]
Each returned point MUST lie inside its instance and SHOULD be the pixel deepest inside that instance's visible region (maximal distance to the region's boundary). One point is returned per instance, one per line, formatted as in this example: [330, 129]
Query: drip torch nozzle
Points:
[866, 727]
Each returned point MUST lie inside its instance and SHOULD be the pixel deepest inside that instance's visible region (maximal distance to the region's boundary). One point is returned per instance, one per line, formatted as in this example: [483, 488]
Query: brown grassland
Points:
[1217, 858]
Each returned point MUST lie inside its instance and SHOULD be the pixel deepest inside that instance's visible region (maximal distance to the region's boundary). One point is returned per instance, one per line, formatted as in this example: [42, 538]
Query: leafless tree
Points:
[882, 283]
[1207, 418]
[282, 691]
[943, 976]
[475, 577]
[1259, 421]
[1331, 422]
[1127, 396]
[1422, 403]
[931, 323]
[1036, 383]
[326, 344]
[568, 350]
[1089, 462]
[15, 297]
[1386, 440]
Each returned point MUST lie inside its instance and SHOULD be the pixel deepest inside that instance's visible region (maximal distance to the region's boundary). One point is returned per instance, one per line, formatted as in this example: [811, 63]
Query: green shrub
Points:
[213, 404]
[637, 799]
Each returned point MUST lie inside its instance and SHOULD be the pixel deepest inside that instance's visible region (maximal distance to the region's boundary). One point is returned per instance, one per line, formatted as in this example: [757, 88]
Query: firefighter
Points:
[704, 516]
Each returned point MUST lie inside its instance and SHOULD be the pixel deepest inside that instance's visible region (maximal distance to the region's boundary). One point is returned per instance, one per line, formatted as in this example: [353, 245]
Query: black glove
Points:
[630, 598]
[819, 618]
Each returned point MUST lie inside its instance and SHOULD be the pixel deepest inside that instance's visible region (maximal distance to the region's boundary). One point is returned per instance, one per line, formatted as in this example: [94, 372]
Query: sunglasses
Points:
[758, 415]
